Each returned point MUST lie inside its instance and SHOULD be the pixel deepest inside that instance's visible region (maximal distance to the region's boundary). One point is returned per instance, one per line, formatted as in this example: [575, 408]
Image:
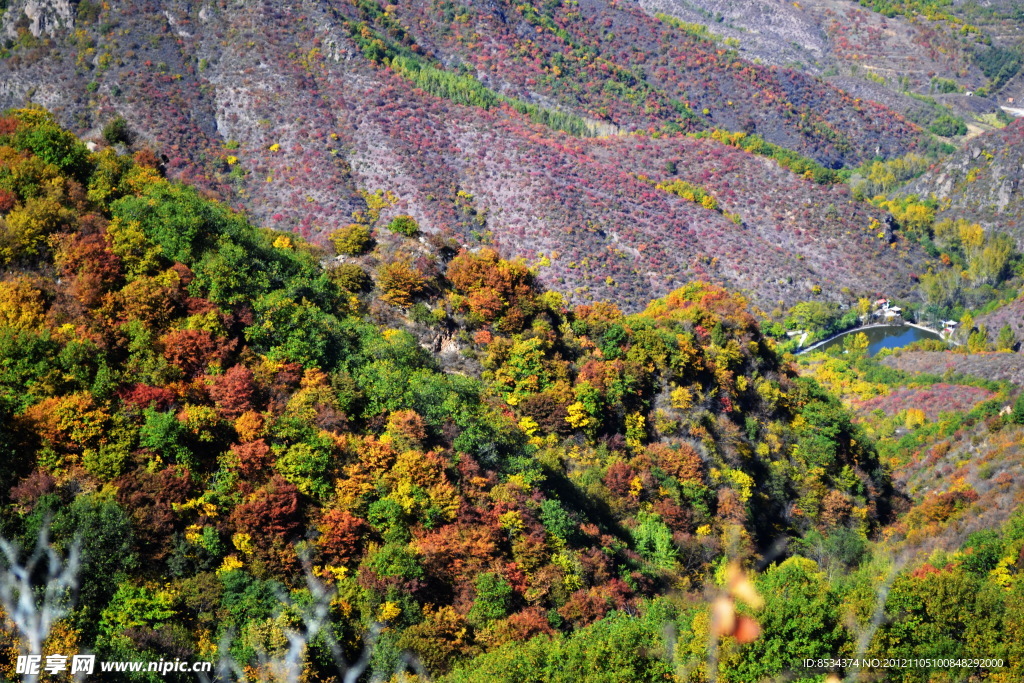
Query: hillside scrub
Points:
[203, 397]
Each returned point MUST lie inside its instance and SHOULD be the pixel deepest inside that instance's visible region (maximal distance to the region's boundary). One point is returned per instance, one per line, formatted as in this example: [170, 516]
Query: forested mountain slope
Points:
[296, 112]
[442, 338]
[463, 461]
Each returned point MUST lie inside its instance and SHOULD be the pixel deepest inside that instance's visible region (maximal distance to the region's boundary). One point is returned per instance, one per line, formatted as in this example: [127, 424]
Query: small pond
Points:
[884, 337]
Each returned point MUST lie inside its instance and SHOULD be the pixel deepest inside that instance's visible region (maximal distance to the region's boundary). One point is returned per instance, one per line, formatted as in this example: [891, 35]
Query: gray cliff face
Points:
[44, 17]
[982, 182]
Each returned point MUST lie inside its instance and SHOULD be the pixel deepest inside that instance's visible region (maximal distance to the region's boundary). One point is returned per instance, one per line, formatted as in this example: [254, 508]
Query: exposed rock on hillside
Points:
[982, 182]
[40, 17]
[838, 34]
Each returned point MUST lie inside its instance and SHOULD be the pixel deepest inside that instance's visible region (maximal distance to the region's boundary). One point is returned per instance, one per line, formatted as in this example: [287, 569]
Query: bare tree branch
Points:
[32, 610]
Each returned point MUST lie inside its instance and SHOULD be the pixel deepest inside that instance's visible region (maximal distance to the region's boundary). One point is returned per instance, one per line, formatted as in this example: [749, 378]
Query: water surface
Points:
[884, 337]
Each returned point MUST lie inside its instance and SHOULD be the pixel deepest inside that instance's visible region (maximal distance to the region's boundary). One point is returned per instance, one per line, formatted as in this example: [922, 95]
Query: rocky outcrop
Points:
[43, 17]
[982, 182]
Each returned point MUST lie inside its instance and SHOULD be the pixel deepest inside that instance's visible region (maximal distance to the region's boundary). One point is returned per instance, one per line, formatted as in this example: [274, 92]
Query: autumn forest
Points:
[462, 343]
